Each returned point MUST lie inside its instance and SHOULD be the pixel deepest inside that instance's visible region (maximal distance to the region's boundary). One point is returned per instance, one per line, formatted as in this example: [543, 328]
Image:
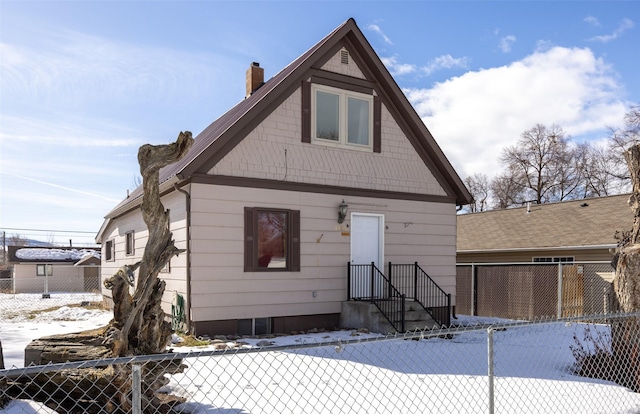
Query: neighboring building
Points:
[52, 269]
[540, 260]
[579, 230]
[255, 202]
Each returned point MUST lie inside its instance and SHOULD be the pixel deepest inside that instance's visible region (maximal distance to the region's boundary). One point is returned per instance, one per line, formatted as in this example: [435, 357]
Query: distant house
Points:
[324, 165]
[540, 260]
[579, 230]
[52, 269]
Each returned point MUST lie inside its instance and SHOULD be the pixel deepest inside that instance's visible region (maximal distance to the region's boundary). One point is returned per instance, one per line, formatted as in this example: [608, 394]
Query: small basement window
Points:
[256, 326]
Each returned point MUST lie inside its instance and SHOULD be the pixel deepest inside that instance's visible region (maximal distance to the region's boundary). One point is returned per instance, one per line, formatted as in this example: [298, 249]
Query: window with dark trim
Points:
[109, 251]
[129, 245]
[272, 239]
[341, 117]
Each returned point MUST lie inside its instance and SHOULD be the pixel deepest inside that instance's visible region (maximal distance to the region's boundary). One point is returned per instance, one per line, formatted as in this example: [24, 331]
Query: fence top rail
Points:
[531, 263]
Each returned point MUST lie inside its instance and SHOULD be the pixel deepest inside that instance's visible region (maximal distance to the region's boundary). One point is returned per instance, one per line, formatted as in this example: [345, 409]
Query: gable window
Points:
[342, 117]
[129, 243]
[109, 252]
[272, 240]
[44, 270]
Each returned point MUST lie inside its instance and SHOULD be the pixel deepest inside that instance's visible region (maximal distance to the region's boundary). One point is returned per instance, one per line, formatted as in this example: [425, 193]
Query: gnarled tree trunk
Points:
[138, 326]
[625, 333]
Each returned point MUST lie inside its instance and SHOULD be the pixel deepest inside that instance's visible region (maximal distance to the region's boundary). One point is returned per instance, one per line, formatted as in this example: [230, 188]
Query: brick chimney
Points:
[255, 78]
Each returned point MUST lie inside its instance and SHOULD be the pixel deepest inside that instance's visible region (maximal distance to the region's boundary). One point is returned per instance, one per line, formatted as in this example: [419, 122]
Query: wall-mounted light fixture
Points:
[342, 211]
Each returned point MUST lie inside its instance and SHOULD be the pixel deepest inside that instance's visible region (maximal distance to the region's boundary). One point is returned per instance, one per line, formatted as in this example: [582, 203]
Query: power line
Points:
[51, 231]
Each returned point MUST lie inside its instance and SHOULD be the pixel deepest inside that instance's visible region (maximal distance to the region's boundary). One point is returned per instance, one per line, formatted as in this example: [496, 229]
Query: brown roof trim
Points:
[315, 188]
[222, 135]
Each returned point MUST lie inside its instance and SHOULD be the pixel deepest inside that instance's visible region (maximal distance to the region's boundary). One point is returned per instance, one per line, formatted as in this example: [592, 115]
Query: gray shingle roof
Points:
[588, 222]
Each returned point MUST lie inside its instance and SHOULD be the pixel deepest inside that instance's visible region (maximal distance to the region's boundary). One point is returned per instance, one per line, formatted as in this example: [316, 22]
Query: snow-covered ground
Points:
[533, 371]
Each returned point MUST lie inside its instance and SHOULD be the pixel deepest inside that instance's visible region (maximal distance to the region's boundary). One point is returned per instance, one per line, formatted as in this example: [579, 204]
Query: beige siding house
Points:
[255, 203]
[579, 230]
[52, 269]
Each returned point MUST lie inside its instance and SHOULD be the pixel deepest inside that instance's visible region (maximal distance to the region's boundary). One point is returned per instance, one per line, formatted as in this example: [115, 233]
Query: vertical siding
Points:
[415, 231]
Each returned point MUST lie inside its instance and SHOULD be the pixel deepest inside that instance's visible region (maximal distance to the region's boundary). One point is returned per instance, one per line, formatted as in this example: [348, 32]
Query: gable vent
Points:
[344, 57]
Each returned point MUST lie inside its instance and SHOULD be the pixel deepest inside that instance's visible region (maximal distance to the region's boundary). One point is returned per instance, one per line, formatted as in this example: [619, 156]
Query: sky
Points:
[83, 84]
[358, 372]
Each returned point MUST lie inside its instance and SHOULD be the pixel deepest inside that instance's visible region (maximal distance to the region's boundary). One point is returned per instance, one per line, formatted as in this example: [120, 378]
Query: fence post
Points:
[473, 289]
[559, 290]
[490, 369]
[136, 390]
[46, 294]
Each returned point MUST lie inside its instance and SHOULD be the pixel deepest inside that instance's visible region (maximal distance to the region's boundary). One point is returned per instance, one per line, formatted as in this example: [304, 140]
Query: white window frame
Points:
[343, 95]
[44, 269]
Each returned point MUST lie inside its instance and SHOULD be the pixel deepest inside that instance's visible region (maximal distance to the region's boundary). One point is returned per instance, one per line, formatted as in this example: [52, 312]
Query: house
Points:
[52, 269]
[540, 260]
[568, 231]
[324, 165]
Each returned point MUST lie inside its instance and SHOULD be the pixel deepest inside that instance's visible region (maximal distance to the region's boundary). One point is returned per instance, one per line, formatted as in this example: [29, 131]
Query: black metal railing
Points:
[413, 282]
[366, 282]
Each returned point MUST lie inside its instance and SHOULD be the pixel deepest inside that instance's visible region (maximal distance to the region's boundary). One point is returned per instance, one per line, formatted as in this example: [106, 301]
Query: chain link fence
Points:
[480, 366]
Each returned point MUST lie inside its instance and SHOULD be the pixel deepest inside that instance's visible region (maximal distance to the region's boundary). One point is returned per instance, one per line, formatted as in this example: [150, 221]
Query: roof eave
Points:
[539, 248]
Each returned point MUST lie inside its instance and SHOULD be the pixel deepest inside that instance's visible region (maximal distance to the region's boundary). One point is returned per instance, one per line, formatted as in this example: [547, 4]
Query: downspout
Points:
[188, 246]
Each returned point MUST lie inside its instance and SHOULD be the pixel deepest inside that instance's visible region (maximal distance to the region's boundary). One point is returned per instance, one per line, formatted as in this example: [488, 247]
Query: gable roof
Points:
[584, 223]
[215, 141]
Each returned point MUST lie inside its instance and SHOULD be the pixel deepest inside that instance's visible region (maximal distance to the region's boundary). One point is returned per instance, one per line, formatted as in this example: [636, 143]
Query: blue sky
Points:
[84, 83]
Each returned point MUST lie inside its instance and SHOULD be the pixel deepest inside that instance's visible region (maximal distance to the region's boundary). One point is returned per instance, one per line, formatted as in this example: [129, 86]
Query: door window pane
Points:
[327, 118]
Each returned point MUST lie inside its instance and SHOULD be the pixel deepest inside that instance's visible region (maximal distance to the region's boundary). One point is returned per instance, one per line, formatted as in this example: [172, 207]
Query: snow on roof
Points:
[50, 254]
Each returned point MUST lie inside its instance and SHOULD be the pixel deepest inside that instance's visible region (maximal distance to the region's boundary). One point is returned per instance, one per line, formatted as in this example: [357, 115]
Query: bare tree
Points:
[478, 186]
[506, 191]
[543, 163]
[619, 141]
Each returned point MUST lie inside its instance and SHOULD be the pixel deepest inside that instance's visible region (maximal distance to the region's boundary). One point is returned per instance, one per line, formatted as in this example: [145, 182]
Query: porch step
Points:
[356, 314]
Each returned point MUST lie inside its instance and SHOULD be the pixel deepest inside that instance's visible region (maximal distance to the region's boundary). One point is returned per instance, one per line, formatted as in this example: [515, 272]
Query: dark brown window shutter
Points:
[248, 240]
[377, 124]
[294, 217]
[306, 111]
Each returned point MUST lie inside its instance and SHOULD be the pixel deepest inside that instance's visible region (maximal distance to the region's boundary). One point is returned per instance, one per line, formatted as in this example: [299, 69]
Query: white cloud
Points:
[506, 42]
[396, 68]
[444, 62]
[71, 132]
[625, 25]
[593, 21]
[72, 68]
[474, 116]
[375, 28]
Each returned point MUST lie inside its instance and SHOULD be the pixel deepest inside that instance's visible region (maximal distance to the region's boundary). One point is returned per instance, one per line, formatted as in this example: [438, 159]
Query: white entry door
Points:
[367, 232]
